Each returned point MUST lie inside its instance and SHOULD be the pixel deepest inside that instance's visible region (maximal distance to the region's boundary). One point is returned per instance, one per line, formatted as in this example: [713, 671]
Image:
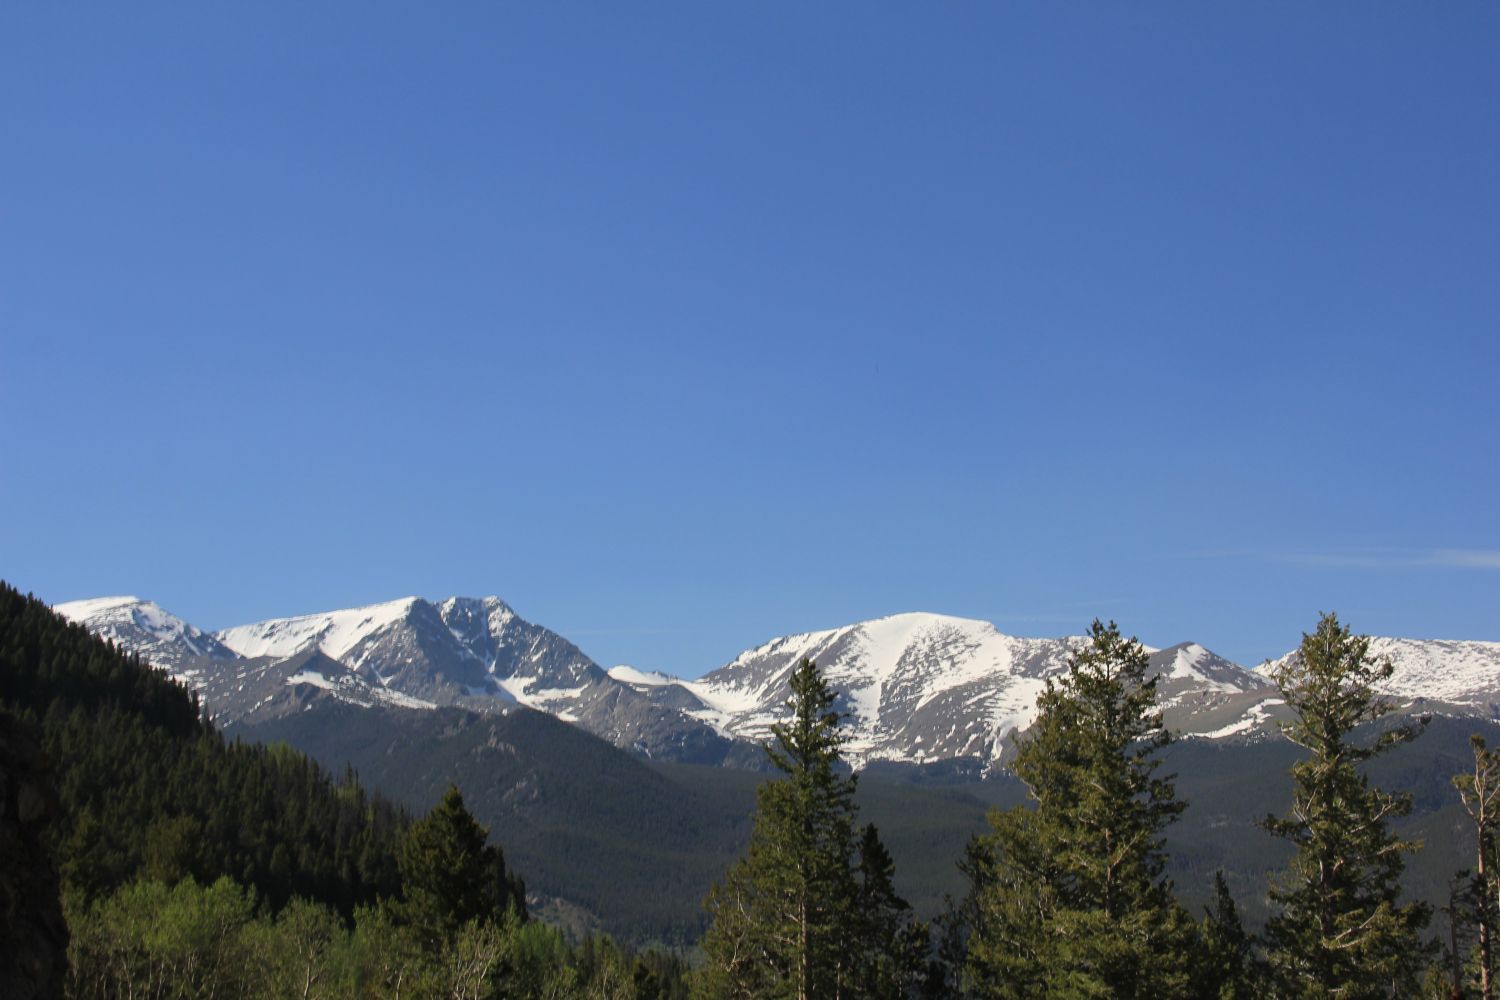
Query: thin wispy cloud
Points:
[1473, 558]
[1366, 558]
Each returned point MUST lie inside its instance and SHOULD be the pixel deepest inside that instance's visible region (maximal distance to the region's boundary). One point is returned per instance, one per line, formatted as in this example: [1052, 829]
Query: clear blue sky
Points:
[681, 326]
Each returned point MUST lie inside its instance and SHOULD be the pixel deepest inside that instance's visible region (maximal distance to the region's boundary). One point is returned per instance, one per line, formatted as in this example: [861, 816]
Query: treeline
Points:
[1068, 897]
[190, 866]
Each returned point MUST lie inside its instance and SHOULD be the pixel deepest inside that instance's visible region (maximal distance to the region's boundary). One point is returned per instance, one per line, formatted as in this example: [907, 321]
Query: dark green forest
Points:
[188, 865]
[177, 863]
[148, 788]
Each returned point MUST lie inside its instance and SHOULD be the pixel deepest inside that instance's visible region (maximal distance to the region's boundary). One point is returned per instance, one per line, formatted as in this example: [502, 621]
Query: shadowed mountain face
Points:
[918, 689]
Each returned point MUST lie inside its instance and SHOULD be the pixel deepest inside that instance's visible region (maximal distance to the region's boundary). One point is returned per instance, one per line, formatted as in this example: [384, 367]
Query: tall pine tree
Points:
[892, 954]
[1069, 898]
[1226, 967]
[1480, 793]
[1342, 931]
[808, 913]
[451, 877]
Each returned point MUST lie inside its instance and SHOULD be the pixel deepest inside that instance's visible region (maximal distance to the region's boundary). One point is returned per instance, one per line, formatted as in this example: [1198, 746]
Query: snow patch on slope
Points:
[1257, 717]
[1188, 664]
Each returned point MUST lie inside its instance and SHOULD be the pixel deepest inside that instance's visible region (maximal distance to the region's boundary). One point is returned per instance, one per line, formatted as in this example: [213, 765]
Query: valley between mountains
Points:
[623, 793]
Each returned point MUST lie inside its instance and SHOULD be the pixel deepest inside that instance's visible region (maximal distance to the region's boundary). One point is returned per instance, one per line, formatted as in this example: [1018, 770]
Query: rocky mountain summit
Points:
[923, 687]
[474, 653]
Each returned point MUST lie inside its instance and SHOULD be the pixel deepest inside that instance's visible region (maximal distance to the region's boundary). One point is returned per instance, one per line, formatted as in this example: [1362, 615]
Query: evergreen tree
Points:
[1069, 898]
[1480, 792]
[451, 877]
[807, 913]
[1342, 931]
[1225, 967]
[891, 953]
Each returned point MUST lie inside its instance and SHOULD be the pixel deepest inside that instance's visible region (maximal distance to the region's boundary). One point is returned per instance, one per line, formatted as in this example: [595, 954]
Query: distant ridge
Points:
[918, 688]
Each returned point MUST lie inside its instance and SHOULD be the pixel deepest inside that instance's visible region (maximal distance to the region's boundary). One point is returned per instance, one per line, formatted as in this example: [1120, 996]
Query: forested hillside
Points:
[609, 840]
[630, 846]
[147, 787]
[191, 866]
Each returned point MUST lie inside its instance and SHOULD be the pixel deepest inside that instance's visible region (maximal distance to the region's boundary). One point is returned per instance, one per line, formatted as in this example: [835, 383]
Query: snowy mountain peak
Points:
[921, 686]
[915, 686]
[1195, 664]
[146, 628]
[641, 678]
[78, 611]
[336, 633]
[477, 622]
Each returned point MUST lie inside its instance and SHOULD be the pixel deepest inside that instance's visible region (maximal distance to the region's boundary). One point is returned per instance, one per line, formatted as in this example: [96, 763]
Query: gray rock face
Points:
[540, 669]
[404, 646]
[520, 656]
[253, 690]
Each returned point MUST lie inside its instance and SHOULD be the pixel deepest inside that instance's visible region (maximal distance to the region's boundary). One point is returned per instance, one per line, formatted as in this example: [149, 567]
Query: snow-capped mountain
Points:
[474, 653]
[531, 664]
[926, 687]
[403, 645]
[144, 627]
[916, 687]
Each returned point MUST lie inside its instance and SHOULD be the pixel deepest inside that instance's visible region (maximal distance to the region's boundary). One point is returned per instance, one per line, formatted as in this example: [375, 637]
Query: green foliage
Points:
[1342, 931]
[1479, 791]
[891, 953]
[808, 911]
[1069, 898]
[149, 788]
[779, 916]
[163, 943]
[451, 878]
[149, 941]
[1226, 968]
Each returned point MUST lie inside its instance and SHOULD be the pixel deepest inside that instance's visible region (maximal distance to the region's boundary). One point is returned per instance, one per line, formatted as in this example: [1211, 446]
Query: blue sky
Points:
[681, 326]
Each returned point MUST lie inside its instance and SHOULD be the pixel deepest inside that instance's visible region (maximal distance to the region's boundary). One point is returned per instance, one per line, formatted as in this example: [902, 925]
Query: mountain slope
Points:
[404, 645]
[634, 844]
[148, 787]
